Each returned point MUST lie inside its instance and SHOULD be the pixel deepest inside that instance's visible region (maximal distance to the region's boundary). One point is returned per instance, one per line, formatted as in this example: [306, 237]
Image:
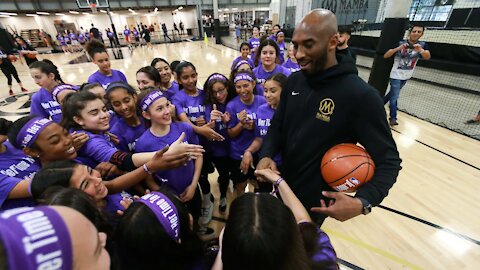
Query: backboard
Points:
[98, 3]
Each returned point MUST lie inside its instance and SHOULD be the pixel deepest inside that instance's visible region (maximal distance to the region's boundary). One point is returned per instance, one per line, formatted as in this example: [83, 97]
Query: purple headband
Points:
[280, 32]
[243, 77]
[60, 88]
[241, 63]
[35, 238]
[217, 76]
[150, 98]
[30, 131]
[165, 211]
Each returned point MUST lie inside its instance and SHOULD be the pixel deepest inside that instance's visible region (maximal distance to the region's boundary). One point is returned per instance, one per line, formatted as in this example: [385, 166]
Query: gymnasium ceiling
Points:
[24, 6]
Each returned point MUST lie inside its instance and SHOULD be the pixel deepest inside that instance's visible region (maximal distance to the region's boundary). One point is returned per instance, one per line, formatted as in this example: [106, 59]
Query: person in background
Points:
[344, 34]
[475, 120]
[407, 55]
[291, 63]
[182, 28]
[9, 70]
[26, 50]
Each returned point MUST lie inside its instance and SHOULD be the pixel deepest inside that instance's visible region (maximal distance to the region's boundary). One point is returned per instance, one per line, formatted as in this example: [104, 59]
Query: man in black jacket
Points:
[324, 105]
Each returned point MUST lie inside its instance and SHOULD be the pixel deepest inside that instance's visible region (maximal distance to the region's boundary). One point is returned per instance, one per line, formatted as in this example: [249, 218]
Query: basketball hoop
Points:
[93, 7]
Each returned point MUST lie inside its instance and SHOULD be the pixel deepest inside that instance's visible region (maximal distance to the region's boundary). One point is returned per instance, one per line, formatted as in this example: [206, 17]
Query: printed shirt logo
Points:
[325, 110]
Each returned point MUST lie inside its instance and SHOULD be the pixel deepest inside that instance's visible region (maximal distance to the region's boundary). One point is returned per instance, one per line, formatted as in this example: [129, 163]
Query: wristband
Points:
[278, 181]
[146, 169]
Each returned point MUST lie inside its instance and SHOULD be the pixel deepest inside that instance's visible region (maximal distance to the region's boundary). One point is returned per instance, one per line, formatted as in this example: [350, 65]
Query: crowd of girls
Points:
[134, 164]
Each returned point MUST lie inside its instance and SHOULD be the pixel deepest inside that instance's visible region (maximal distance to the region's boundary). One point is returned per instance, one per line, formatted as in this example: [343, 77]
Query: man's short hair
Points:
[416, 25]
[345, 30]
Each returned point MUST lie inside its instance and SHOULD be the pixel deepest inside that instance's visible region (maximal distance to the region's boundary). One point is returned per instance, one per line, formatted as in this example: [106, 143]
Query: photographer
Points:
[406, 57]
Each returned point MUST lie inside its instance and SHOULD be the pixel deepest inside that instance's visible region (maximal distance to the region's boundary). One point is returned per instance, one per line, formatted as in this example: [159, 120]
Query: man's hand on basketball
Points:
[342, 207]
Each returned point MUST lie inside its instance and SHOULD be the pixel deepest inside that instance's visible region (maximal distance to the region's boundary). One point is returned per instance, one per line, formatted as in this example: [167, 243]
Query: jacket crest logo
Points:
[325, 110]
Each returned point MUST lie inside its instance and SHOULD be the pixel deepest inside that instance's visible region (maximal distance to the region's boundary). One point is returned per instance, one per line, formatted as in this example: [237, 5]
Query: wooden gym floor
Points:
[430, 220]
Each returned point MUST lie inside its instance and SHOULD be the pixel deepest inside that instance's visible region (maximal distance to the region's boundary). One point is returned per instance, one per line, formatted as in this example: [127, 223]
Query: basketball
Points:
[346, 167]
[12, 58]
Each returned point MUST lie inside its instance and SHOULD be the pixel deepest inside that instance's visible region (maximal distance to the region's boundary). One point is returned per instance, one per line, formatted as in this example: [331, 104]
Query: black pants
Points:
[207, 168]
[194, 206]
[9, 70]
[223, 167]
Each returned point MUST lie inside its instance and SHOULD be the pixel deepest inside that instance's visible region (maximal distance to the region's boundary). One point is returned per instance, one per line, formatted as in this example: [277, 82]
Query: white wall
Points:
[302, 8]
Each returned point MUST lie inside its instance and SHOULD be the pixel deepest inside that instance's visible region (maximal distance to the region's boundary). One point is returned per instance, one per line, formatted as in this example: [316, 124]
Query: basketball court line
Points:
[373, 249]
[438, 150]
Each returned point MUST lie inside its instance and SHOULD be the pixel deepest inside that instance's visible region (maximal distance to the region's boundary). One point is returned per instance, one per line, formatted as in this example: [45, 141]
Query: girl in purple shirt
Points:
[241, 128]
[291, 64]
[105, 74]
[218, 92]
[123, 99]
[281, 45]
[100, 92]
[190, 107]
[245, 51]
[46, 75]
[254, 41]
[167, 82]
[149, 77]
[269, 54]
[273, 89]
[182, 181]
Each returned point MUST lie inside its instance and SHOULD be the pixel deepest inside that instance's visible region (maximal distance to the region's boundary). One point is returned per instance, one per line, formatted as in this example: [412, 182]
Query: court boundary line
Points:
[428, 223]
[438, 150]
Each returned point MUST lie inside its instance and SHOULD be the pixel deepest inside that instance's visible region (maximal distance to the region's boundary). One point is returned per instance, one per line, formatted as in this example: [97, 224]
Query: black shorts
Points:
[238, 176]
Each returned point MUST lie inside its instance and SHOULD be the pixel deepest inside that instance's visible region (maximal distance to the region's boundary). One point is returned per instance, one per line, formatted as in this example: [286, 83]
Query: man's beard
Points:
[340, 44]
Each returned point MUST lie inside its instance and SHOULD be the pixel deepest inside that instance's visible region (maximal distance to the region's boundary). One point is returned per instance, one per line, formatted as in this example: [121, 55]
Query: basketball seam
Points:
[334, 159]
[340, 178]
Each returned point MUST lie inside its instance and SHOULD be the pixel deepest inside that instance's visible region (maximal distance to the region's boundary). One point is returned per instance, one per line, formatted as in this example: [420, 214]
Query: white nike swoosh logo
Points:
[295, 93]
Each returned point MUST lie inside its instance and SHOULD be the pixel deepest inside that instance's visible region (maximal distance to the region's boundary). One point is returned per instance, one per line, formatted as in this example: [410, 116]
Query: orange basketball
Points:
[347, 166]
[12, 58]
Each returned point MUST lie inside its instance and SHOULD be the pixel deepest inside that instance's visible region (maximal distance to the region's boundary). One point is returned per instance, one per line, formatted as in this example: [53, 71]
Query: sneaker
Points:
[24, 90]
[393, 122]
[207, 212]
[222, 206]
[10, 92]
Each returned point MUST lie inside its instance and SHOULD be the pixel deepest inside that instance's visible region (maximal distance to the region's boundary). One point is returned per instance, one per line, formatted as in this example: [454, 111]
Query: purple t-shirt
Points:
[105, 80]
[273, 37]
[281, 46]
[238, 59]
[44, 105]
[61, 40]
[264, 117]
[325, 254]
[262, 75]
[170, 92]
[219, 148]
[192, 106]
[240, 143]
[253, 43]
[127, 134]
[126, 32]
[14, 163]
[97, 149]
[290, 65]
[113, 202]
[136, 33]
[7, 183]
[73, 36]
[177, 179]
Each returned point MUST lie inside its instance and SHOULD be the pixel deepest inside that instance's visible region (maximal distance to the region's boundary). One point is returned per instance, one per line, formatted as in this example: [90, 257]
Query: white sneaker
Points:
[207, 212]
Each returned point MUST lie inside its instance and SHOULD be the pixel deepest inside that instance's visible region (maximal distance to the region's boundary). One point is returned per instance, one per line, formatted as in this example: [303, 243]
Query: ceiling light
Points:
[131, 10]
[103, 11]
[156, 10]
[180, 8]
[42, 13]
[59, 14]
[74, 12]
[4, 16]
[31, 15]
[8, 13]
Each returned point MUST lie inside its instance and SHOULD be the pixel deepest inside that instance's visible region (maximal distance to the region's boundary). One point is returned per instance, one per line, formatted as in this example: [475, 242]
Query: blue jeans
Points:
[392, 96]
